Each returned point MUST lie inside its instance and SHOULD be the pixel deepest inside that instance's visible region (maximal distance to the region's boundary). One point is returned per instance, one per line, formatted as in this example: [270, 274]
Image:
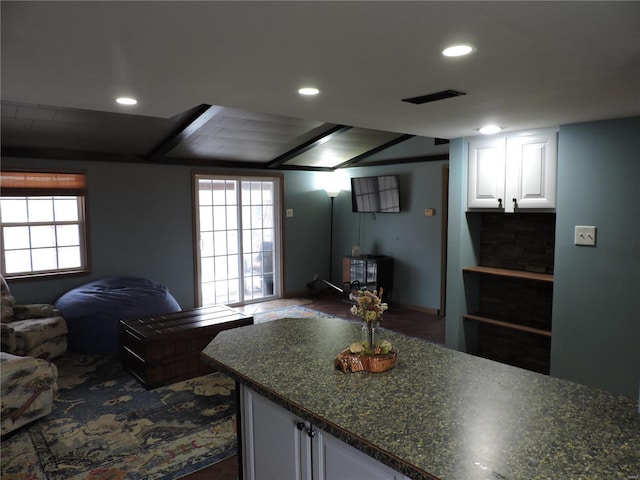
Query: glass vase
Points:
[370, 330]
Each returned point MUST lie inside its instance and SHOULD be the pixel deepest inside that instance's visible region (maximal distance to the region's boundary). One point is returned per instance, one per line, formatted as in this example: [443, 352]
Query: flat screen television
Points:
[379, 194]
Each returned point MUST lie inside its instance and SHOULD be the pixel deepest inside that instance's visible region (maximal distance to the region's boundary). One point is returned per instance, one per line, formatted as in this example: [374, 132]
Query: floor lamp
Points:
[332, 195]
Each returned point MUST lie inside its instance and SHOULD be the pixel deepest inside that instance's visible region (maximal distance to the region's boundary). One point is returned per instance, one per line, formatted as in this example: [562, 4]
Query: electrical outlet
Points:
[289, 212]
[429, 212]
[585, 235]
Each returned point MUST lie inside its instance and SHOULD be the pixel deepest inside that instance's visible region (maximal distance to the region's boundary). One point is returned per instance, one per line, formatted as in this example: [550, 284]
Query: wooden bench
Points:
[166, 349]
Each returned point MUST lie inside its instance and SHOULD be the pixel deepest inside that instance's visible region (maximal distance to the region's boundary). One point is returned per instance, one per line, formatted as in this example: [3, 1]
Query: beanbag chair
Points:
[93, 311]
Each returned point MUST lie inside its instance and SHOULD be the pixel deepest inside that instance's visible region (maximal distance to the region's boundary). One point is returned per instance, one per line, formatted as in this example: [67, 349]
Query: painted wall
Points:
[460, 252]
[596, 322]
[141, 224]
[409, 237]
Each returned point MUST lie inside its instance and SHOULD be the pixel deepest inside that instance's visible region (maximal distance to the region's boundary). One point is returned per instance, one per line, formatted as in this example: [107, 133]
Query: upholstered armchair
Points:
[35, 330]
[28, 388]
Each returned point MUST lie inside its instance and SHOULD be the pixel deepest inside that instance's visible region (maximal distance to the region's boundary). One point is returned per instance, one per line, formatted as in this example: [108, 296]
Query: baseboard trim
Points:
[419, 308]
[300, 294]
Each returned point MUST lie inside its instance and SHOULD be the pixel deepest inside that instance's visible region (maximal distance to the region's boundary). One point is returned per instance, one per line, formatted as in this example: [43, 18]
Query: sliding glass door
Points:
[238, 232]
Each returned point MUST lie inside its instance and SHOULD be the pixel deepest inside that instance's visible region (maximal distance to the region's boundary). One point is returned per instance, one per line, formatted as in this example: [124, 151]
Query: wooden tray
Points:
[354, 362]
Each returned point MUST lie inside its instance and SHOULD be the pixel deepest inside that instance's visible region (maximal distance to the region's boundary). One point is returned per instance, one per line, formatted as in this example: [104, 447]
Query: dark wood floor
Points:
[409, 322]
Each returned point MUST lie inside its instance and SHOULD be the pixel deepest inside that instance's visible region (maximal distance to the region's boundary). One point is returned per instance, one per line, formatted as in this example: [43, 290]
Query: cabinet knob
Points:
[499, 203]
[302, 426]
[515, 203]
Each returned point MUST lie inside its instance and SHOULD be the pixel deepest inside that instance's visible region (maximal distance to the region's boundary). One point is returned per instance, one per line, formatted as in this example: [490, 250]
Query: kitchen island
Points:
[438, 413]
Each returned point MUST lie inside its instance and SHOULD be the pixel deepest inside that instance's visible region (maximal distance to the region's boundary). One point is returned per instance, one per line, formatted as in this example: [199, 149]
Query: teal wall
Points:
[409, 237]
[459, 250]
[306, 234]
[140, 223]
[140, 219]
[596, 322]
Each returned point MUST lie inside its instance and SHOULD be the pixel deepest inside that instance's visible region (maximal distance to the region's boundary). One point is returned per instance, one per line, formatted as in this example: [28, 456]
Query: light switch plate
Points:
[289, 212]
[585, 235]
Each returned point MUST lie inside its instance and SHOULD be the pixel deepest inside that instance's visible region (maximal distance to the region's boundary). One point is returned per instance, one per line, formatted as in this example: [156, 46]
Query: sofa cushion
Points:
[34, 310]
[28, 387]
[30, 333]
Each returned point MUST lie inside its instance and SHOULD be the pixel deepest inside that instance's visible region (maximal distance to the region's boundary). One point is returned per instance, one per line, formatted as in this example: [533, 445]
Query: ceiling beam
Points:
[198, 118]
[373, 151]
[64, 154]
[305, 168]
[277, 162]
[398, 161]
[85, 156]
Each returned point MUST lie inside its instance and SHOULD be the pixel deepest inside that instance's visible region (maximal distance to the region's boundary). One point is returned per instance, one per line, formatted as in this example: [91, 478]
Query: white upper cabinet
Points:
[513, 172]
[486, 178]
[531, 161]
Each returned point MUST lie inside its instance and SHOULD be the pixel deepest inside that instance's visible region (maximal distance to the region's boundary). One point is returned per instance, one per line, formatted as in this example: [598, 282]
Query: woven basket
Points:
[378, 363]
[354, 362]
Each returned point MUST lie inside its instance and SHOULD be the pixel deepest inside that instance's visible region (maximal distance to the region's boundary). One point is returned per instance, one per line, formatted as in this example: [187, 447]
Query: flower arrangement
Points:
[369, 305]
[368, 355]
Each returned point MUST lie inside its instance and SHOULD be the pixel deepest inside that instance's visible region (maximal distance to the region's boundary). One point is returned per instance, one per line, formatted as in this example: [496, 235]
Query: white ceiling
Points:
[536, 64]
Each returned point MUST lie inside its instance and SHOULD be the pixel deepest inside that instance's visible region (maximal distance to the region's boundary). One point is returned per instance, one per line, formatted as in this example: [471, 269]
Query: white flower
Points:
[369, 305]
[385, 347]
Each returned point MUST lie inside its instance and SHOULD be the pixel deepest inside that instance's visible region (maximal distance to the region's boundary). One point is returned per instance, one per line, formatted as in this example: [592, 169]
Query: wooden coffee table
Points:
[167, 348]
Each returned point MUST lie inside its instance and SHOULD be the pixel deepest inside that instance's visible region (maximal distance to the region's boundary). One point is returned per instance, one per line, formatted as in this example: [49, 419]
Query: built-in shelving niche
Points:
[510, 291]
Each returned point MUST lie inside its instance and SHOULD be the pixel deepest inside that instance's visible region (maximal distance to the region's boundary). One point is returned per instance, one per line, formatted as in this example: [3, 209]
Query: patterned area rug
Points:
[106, 425]
[296, 311]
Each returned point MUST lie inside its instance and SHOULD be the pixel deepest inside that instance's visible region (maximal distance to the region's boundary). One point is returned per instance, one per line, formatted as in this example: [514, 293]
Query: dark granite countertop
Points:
[438, 413]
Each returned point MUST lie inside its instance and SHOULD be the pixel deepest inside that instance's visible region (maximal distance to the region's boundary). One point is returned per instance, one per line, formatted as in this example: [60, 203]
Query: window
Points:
[42, 215]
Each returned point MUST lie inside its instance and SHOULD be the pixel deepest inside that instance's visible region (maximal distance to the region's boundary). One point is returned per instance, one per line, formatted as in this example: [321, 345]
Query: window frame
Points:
[11, 186]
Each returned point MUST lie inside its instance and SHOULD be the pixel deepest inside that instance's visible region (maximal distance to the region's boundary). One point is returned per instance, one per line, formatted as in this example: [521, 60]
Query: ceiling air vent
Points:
[433, 97]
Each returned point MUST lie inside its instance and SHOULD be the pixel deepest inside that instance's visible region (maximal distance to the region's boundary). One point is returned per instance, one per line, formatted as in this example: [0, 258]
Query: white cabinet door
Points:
[486, 178]
[531, 170]
[335, 460]
[277, 445]
[514, 172]
[273, 447]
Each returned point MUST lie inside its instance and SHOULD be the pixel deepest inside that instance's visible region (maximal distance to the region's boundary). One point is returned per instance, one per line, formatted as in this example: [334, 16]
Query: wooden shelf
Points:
[512, 326]
[503, 272]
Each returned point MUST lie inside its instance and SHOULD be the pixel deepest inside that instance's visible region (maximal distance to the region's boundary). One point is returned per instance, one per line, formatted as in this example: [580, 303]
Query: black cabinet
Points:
[370, 271]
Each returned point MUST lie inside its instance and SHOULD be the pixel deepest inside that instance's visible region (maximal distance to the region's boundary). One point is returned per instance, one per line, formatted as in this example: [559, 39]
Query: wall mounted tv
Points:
[379, 194]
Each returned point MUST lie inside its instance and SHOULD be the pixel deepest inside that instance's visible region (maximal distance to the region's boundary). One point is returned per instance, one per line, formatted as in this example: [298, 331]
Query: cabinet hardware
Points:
[311, 433]
[499, 203]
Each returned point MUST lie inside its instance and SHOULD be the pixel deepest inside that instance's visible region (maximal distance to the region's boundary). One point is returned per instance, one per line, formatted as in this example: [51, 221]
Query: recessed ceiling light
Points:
[489, 129]
[308, 91]
[457, 50]
[126, 101]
